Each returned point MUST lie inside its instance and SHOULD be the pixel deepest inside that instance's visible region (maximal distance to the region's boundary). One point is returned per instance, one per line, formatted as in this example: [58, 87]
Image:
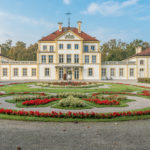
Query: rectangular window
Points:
[93, 47]
[68, 58]
[90, 72]
[86, 48]
[61, 58]
[86, 59]
[76, 59]
[43, 59]
[5, 72]
[61, 73]
[15, 72]
[141, 62]
[121, 72]
[76, 46]
[131, 72]
[103, 72]
[44, 47]
[24, 72]
[60, 46]
[68, 46]
[47, 72]
[50, 59]
[76, 73]
[112, 72]
[51, 48]
[33, 71]
[94, 59]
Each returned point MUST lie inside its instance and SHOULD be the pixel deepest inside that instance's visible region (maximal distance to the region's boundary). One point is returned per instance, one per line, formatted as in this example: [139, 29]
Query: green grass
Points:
[44, 119]
[114, 87]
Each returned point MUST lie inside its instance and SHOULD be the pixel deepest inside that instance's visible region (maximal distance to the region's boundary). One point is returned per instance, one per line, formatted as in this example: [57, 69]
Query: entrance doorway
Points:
[141, 72]
[68, 73]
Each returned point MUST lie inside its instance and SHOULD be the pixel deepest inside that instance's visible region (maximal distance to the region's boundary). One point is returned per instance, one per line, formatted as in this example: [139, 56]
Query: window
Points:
[44, 47]
[76, 73]
[43, 59]
[76, 59]
[61, 58]
[33, 71]
[90, 72]
[47, 72]
[121, 72]
[94, 59]
[68, 58]
[141, 62]
[61, 73]
[141, 69]
[24, 72]
[50, 59]
[5, 72]
[60, 46]
[103, 72]
[68, 46]
[86, 48]
[86, 59]
[15, 71]
[131, 72]
[112, 72]
[51, 48]
[93, 47]
[76, 46]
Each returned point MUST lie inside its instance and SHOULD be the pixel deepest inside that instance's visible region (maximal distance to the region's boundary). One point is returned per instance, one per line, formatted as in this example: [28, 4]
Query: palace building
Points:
[71, 54]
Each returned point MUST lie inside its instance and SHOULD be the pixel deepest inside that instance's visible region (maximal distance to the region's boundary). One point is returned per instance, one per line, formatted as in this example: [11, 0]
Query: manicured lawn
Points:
[24, 88]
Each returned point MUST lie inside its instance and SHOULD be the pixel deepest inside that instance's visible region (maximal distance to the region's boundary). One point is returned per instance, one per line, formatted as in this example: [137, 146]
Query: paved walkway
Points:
[139, 103]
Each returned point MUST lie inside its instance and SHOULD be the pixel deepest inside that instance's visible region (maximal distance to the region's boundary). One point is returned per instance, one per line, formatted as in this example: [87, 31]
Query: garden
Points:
[74, 101]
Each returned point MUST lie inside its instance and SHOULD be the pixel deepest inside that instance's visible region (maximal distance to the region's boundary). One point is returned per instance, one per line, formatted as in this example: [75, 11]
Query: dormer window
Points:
[51, 48]
[44, 47]
[68, 46]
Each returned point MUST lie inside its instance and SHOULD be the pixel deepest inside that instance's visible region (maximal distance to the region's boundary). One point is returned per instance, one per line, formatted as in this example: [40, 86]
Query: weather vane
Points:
[68, 14]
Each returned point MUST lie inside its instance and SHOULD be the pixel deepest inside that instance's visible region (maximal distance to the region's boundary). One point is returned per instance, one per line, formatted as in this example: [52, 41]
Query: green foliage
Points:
[71, 101]
[116, 50]
[19, 51]
[74, 94]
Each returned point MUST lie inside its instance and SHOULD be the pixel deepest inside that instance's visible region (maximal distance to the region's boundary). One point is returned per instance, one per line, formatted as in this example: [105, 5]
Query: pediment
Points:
[69, 35]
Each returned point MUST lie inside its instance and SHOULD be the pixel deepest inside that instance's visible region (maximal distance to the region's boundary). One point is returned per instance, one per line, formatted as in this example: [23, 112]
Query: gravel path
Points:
[139, 103]
[129, 135]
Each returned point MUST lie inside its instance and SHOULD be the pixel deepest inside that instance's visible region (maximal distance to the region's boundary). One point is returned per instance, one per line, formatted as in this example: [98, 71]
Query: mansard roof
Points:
[146, 52]
[54, 35]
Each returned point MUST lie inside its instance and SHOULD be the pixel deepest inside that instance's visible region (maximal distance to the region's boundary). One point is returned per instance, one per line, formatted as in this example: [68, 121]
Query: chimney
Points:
[138, 50]
[60, 26]
[79, 26]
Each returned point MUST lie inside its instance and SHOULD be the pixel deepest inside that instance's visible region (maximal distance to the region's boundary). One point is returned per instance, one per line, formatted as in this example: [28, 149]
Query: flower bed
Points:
[39, 101]
[103, 102]
[70, 114]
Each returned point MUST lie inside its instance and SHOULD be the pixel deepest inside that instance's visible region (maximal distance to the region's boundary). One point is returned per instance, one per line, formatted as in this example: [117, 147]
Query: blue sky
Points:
[29, 20]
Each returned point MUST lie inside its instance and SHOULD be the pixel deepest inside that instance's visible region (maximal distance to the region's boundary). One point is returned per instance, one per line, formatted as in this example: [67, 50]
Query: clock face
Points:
[69, 36]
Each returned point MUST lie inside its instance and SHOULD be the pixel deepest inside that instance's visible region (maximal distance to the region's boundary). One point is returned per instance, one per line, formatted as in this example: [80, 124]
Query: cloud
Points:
[109, 8]
[144, 18]
[67, 2]
[24, 19]
[106, 34]
[27, 29]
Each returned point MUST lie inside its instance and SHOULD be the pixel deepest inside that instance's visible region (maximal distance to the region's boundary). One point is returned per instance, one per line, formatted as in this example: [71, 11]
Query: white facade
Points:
[70, 55]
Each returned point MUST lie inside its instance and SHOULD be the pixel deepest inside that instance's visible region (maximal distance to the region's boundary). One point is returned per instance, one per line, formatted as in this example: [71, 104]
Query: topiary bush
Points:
[71, 101]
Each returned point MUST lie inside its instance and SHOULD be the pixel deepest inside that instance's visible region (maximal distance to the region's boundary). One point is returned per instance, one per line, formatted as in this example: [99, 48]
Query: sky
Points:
[30, 20]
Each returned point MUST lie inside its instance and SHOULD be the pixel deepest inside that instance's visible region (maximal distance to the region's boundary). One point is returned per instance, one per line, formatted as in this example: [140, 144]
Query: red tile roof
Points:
[57, 33]
[146, 52]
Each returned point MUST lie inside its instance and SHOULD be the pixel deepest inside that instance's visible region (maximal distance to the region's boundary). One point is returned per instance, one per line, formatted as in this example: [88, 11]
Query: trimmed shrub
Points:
[71, 101]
